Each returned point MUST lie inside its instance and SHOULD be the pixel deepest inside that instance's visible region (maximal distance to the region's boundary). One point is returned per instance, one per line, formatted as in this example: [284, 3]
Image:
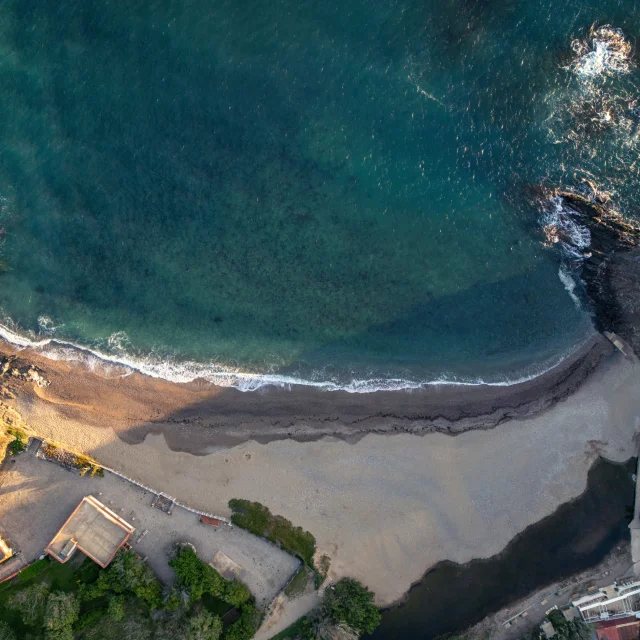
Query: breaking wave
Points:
[122, 365]
[562, 228]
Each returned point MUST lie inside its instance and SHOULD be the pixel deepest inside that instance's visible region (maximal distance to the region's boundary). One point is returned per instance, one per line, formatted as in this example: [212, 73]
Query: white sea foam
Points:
[46, 325]
[606, 53]
[561, 227]
[174, 371]
[570, 284]
[119, 341]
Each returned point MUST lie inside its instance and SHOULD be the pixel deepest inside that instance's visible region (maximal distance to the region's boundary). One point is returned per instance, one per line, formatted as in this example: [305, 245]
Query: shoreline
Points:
[199, 417]
[384, 509]
[519, 538]
[615, 564]
[54, 348]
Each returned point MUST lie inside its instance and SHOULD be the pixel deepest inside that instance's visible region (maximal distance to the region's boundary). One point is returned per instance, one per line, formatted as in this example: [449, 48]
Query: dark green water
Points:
[327, 191]
[576, 536]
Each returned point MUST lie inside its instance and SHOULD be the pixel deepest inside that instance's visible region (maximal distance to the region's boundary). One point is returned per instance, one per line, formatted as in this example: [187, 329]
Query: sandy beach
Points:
[385, 508]
[198, 417]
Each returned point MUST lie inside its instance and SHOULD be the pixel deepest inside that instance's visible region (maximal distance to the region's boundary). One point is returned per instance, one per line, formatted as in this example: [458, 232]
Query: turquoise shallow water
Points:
[329, 191]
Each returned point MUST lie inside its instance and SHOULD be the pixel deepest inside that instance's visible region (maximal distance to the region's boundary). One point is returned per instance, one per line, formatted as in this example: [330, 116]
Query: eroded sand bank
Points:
[385, 508]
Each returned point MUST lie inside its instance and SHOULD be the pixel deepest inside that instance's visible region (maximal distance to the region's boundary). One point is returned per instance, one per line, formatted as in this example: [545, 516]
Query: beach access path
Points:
[37, 496]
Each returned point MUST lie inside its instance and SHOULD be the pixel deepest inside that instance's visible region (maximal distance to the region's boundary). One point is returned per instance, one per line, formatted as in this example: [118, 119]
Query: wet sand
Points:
[384, 508]
[198, 417]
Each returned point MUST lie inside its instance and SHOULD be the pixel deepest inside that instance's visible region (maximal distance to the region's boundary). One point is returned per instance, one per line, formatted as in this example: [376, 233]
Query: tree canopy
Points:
[61, 612]
[569, 629]
[31, 602]
[197, 578]
[352, 603]
[6, 632]
[203, 626]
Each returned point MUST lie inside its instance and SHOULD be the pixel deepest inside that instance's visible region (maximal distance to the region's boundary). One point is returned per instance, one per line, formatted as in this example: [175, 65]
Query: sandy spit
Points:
[384, 508]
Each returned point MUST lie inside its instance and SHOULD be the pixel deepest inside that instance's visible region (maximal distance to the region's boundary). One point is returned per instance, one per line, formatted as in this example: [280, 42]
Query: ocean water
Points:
[329, 192]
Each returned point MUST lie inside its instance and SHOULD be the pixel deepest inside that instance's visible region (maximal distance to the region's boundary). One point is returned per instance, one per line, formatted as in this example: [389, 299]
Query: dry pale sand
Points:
[386, 508]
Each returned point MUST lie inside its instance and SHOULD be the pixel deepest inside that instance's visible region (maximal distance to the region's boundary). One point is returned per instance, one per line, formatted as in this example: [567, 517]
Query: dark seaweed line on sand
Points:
[489, 414]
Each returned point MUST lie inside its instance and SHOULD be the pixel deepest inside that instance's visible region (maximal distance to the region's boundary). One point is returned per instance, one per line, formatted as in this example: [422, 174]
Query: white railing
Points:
[40, 454]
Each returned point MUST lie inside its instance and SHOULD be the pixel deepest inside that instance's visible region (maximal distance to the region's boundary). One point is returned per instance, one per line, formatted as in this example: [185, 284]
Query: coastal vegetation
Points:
[80, 601]
[197, 578]
[569, 629]
[259, 520]
[347, 611]
[84, 464]
[14, 440]
[18, 442]
[299, 583]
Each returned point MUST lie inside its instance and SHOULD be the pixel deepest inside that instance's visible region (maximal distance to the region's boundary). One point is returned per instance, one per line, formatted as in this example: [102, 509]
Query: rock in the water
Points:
[611, 268]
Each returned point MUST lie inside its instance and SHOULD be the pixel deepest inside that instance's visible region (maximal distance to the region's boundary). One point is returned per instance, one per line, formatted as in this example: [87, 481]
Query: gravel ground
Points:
[37, 496]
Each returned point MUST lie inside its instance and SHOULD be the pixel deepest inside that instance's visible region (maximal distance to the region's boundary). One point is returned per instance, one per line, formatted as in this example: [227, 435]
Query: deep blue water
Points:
[324, 190]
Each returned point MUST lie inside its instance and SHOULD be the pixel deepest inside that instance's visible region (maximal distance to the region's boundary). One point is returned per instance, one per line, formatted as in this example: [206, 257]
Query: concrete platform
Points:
[93, 529]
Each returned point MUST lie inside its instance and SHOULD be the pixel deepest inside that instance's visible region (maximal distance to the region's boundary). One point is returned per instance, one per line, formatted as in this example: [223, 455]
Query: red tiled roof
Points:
[620, 629]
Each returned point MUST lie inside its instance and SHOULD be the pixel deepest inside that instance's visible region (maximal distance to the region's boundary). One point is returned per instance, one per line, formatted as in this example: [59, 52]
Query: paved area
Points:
[36, 497]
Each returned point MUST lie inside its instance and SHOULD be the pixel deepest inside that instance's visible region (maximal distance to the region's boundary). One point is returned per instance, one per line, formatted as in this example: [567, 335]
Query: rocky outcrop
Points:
[611, 266]
[14, 369]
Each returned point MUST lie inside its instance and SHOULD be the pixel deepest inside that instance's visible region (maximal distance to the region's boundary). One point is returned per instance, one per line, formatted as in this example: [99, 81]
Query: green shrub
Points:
[87, 465]
[236, 593]
[34, 569]
[128, 573]
[246, 626]
[569, 629]
[299, 583]
[352, 603]
[172, 600]
[96, 471]
[257, 518]
[195, 576]
[89, 619]
[251, 516]
[324, 564]
[19, 442]
[115, 608]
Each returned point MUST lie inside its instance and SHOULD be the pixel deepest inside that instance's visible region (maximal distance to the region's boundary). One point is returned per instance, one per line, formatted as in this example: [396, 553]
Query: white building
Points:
[608, 603]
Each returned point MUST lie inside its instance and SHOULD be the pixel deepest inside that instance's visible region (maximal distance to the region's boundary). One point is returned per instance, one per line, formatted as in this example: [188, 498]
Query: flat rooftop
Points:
[94, 529]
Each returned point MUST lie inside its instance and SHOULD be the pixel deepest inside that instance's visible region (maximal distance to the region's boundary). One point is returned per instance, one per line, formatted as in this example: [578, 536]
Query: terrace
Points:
[609, 603]
[94, 529]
